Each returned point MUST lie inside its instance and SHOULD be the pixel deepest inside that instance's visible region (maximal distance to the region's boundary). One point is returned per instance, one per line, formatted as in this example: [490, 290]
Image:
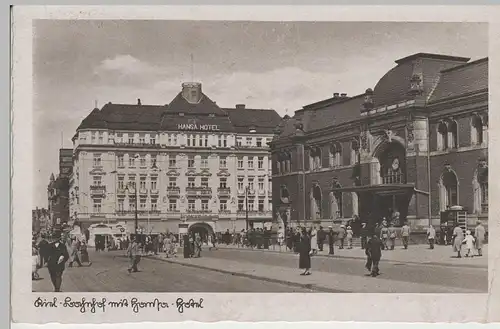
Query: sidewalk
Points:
[415, 254]
[319, 281]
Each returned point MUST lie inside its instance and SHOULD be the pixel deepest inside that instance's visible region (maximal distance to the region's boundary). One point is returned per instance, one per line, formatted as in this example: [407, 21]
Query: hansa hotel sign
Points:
[197, 127]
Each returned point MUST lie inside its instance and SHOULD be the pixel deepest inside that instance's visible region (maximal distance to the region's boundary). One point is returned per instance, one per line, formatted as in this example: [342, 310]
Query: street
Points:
[108, 273]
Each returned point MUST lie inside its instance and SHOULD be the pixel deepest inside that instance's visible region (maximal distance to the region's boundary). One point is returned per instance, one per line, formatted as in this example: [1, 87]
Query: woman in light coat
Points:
[349, 234]
[469, 244]
[314, 240]
[458, 237]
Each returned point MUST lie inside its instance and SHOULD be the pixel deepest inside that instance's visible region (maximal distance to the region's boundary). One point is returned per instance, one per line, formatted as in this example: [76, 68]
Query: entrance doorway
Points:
[203, 229]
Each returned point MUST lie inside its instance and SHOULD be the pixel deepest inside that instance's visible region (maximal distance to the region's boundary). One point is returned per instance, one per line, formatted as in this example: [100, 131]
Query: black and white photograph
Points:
[184, 156]
[207, 164]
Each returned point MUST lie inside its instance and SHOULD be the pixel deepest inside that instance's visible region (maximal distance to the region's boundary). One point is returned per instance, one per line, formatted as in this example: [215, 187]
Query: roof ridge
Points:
[462, 66]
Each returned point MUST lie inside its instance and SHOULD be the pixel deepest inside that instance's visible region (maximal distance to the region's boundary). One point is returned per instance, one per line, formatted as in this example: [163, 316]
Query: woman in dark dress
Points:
[304, 253]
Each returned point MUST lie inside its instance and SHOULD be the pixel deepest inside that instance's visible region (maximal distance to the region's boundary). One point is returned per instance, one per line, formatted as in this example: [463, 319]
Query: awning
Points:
[381, 189]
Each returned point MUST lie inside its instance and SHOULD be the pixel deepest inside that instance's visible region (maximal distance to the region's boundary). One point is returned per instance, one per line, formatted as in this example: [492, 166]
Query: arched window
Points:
[336, 202]
[477, 131]
[284, 195]
[354, 152]
[315, 158]
[453, 134]
[316, 202]
[442, 137]
[448, 189]
[480, 184]
[335, 155]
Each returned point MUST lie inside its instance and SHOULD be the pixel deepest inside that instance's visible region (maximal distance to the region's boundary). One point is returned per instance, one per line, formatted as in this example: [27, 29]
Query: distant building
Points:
[58, 189]
[188, 163]
[415, 145]
[40, 220]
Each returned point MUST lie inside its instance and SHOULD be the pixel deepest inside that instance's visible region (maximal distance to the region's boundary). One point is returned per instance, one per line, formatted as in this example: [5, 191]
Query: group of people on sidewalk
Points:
[473, 242]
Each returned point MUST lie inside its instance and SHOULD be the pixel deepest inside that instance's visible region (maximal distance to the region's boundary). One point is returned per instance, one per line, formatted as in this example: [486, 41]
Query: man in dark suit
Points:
[57, 253]
[373, 252]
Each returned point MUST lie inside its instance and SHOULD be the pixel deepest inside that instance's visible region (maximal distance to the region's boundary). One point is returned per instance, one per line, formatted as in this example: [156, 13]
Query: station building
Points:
[189, 164]
[413, 146]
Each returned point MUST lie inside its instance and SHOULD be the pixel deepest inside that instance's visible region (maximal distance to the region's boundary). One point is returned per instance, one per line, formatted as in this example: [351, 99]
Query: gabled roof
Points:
[461, 80]
[204, 106]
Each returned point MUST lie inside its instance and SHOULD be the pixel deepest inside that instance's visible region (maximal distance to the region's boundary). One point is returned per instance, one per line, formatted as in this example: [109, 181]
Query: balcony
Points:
[224, 211]
[241, 191]
[251, 191]
[262, 192]
[154, 192]
[98, 190]
[143, 191]
[394, 178]
[121, 191]
[198, 190]
[224, 191]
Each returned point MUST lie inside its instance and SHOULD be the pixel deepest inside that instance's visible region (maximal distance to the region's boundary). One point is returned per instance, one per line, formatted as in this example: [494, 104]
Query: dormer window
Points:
[211, 115]
[181, 114]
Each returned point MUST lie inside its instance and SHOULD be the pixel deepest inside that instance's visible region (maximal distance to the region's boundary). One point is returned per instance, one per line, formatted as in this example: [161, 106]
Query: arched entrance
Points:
[203, 229]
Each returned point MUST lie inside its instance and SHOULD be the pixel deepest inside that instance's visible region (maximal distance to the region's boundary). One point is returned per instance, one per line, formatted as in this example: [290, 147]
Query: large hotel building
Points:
[410, 149]
[186, 164]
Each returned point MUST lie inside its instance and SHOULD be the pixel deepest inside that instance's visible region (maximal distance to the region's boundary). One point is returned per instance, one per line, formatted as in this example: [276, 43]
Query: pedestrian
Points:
[392, 237]
[321, 238]
[85, 253]
[364, 235]
[331, 241]
[349, 235]
[469, 242]
[197, 245]
[458, 237]
[133, 255]
[405, 235]
[43, 246]
[479, 234]
[384, 235]
[373, 252]
[431, 236]
[57, 257]
[305, 253]
[35, 261]
[75, 246]
[341, 236]
[186, 246]
[314, 240]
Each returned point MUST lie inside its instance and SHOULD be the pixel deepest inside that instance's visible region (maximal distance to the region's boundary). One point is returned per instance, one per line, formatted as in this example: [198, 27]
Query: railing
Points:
[262, 192]
[224, 190]
[121, 191]
[241, 192]
[396, 178]
[97, 190]
[224, 211]
[143, 191]
[154, 192]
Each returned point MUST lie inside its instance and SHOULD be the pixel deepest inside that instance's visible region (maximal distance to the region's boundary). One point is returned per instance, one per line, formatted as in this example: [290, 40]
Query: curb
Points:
[252, 276]
[363, 258]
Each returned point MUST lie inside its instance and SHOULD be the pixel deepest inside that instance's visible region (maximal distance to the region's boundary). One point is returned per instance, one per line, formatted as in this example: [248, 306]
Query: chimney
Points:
[336, 95]
[240, 106]
[191, 91]
[138, 101]
[343, 95]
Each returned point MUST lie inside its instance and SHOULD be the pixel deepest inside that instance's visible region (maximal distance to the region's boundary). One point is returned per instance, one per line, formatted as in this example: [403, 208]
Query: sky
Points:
[276, 65]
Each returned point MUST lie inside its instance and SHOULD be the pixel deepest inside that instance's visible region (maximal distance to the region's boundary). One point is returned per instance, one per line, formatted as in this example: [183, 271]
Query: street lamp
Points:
[246, 207]
[136, 217]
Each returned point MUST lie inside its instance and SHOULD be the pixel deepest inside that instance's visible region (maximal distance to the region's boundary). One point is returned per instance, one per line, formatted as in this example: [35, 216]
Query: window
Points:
[314, 159]
[250, 162]
[142, 204]
[153, 161]
[204, 205]
[223, 183]
[442, 136]
[96, 206]
[334, 156]
[131, 161]
[223, 205]
[142, 183]
[453, 134]
[191, 205]
[97, 180]
[191, 161]
[172, 204]
[261, 204]
[100, 138]
[152, 139]
[175, 140]
[241, 204]
[240, 183]
[250, 184]
[248, 141]
[131, 181]
[171, 162]
[131, 204]
[270, 185]
[449, 189]
[251, 205]
[238, 141]
[142, 139]
[204, 161]
[354, 152]
[142, 161]
[260, 163]
[154, 205]
[97, 160]
[188, 140]
[261, 184]
[93, 138]
[153, 183]
[191, 182]
[240, 163]
[82, 138]
[169, 139]
[172, 182]
[259, 142]
[222, 162]
[130, 139]
[121, 184]
[204, 182]
[206, 141]
[120, 161]
[224, 141]
[120, 205]
[477, 131]
[198, 140]
[270, 206]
